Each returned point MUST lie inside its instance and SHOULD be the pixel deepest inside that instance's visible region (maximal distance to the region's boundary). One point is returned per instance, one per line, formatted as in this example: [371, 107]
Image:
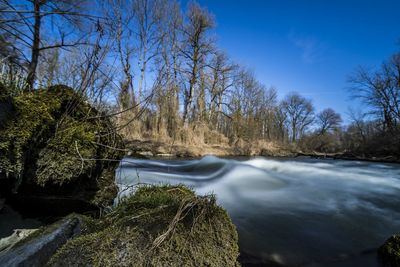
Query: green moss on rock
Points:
[390, 252]
[33, 116]
[157, 226]
[55, 140]
[60, 161]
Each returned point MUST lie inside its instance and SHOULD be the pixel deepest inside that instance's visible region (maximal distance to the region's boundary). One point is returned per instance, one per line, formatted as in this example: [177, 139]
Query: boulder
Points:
[157, 226]
[56, 145]
[389, 252]
[18, 234]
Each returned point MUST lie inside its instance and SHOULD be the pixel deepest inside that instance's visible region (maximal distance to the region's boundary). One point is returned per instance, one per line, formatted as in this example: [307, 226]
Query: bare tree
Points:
[120, 16]
[280, 121]
[220, 79]
[196, 47]
[147, 14]
[27, 22]
[167, 66]
[357, 128]
[246, 105]
[328, 120]
[300, 113]
[266, 114]
[380, 90]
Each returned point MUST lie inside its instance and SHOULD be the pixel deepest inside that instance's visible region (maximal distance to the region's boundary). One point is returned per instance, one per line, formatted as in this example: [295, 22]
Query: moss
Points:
[390, 251]
[61, 160]
[56, 139]
[32, 117]
[107, 188]
[157, 226]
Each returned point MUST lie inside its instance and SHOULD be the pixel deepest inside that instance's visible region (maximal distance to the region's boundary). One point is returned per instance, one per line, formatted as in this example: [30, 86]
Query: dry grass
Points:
[195, 141]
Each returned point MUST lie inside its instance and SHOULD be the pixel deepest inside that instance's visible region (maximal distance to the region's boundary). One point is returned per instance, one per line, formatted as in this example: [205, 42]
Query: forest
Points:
[154, 67]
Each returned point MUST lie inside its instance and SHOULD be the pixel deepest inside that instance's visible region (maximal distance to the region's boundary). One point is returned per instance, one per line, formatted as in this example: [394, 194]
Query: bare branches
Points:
[47, 13]
[300, 113]
[380, 90]
[196, 48]
[328, 120]
[29, 21]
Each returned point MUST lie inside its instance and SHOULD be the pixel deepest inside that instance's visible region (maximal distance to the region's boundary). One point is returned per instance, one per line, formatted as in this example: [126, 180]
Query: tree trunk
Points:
[293, 132]
[190, 93]
[35, 50]
[201, 100]
[142, 75]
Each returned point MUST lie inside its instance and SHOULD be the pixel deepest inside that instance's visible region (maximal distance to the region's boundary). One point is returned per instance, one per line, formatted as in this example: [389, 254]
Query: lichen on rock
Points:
[157, 226]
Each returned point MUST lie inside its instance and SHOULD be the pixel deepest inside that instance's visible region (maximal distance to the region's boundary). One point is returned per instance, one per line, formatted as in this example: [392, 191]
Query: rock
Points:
[157, 226]
[36, 249]
[166, 155]
[146, 153]
[8, 242]
[49, 147]
[389, 252]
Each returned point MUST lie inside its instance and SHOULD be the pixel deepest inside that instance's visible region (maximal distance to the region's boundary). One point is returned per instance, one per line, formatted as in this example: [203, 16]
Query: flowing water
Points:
[297, 212]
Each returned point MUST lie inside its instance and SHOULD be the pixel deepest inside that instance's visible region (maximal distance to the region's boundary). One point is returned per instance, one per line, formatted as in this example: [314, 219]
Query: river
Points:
[290, 212]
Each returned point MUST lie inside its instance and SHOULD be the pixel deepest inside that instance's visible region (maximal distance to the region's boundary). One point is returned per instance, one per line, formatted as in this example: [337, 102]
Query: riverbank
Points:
[157, 149]
[349, 156]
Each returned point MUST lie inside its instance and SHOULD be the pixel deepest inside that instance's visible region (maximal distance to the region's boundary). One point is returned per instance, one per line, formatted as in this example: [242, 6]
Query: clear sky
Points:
[308, 46]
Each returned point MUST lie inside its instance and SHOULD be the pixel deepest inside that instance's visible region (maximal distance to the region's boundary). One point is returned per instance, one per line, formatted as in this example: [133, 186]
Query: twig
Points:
[80, 156]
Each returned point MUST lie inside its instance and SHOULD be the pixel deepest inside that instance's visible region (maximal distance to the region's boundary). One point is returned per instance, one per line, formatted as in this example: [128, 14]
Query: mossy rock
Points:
[157, 226]
[55, 143]
[390, 252]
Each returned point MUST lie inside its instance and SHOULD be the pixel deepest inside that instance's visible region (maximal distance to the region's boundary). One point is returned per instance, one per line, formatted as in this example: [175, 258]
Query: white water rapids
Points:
[298, 212]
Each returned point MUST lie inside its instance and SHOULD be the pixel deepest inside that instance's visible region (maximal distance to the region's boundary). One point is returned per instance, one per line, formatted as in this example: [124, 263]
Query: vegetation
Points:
[54, 138]
[377, 131]
[157, 226]
[390, 251]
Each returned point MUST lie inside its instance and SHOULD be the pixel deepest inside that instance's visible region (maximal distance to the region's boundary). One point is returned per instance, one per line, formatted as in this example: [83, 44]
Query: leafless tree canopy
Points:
[380, 90]
[300, 112]
[155, 67]
[377, 128]
[328, 120]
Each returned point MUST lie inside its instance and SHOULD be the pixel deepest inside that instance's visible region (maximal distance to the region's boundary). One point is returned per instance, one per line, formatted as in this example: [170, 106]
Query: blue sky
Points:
[308, 46]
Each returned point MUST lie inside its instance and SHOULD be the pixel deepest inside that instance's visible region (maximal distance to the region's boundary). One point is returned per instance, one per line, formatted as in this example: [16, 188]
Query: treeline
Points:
[376, 131]
[157, 68]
